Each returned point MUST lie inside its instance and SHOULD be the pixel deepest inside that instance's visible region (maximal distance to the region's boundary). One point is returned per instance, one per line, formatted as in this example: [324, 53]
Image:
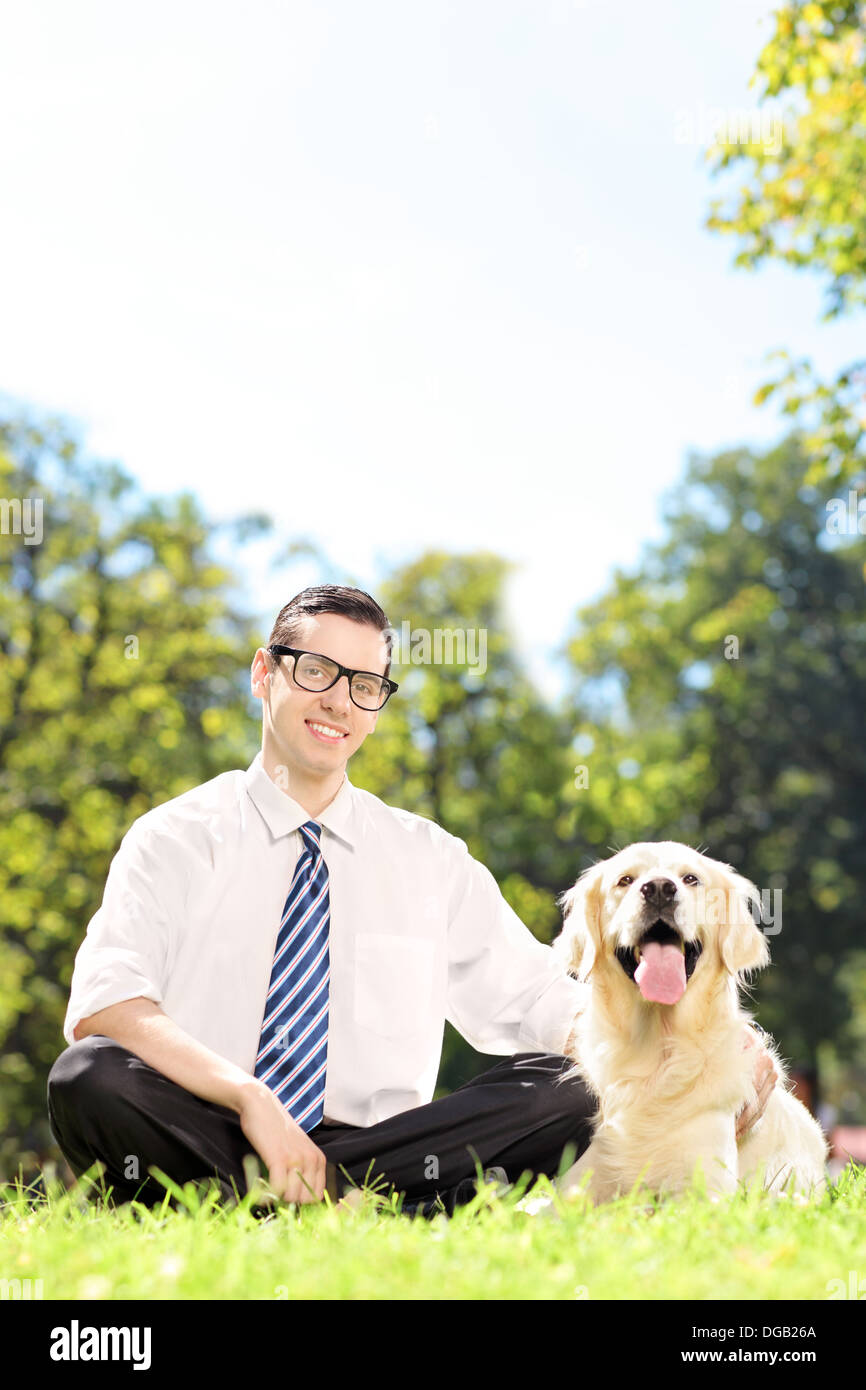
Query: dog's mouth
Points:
[661, 964]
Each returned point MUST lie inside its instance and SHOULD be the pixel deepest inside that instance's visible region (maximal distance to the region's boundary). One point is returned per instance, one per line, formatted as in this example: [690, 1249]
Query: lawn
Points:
[747, 1247]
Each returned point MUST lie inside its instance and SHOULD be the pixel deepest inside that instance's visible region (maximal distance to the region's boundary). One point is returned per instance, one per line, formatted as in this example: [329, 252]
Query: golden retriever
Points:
[664, 935]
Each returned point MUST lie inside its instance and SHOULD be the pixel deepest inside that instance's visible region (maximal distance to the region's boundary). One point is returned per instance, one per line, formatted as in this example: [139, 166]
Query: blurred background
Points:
[537, 321]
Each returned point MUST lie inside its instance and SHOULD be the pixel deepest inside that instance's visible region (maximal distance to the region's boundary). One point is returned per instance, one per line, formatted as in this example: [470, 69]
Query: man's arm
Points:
[507, 991]
[141, 1026]
[129, 941]
[296, 1166]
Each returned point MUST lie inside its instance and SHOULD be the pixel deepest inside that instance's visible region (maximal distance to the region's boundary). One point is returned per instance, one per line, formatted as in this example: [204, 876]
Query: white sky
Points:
[406, 274]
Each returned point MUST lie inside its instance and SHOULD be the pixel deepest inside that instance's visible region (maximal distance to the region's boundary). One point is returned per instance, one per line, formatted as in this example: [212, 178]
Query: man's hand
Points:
[765, 1078]
[296, 1166]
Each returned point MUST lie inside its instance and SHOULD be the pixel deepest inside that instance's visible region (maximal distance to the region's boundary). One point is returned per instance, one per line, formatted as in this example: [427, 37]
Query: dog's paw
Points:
[537, 1206]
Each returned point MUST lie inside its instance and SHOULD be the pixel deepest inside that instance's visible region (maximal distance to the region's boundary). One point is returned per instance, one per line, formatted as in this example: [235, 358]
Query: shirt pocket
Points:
[393, 983]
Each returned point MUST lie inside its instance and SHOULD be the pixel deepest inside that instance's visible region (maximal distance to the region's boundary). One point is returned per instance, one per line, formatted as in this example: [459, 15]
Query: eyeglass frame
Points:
[277, 649]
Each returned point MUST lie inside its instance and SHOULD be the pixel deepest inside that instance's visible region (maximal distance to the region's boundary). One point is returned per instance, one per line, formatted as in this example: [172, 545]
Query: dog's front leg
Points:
[587, 1166]
[709, 1148]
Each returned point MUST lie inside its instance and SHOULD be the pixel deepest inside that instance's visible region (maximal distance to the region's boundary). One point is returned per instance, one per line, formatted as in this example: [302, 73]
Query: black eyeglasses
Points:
[315, 672]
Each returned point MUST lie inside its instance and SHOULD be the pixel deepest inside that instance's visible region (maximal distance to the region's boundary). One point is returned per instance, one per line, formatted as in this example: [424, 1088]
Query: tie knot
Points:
[311, 835]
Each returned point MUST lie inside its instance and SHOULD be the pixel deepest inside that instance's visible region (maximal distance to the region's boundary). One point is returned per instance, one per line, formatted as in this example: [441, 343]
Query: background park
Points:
[533, 325]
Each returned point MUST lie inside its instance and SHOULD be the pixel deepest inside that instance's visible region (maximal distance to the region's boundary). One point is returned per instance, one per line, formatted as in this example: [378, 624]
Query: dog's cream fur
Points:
[671, 1078]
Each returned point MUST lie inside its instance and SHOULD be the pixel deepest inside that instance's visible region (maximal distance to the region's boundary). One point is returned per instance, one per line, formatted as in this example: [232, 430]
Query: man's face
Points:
[316, 732]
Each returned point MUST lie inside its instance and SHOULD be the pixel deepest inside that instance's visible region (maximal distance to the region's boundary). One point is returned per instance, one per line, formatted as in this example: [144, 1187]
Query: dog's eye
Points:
[690, 879]
[625, 881]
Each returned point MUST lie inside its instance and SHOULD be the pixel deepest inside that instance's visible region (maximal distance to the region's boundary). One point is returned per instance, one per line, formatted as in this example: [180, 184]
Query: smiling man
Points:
[275, 957]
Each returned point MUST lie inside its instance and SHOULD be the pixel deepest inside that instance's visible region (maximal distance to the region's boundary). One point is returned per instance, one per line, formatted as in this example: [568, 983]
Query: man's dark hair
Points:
[329, 598]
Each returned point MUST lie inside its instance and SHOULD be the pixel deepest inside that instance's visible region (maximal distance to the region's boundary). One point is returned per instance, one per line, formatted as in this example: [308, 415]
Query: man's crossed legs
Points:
[105, 1103]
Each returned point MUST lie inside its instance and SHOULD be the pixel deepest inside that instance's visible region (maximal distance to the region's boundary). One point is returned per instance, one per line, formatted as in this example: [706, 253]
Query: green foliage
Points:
[800, 199]
[805, 201]
[486, 758]
[122, 669]
[831, 416]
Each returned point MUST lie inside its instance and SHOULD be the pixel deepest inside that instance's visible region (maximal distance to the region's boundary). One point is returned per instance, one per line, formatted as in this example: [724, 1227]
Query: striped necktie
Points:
[293, 1048]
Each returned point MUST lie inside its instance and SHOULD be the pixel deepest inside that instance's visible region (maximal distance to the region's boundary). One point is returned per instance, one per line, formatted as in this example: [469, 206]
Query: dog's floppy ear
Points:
[742, 945]
[580, 939]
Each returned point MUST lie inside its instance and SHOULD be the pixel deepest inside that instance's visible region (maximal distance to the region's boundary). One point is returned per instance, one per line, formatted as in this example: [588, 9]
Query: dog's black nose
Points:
[659, 891]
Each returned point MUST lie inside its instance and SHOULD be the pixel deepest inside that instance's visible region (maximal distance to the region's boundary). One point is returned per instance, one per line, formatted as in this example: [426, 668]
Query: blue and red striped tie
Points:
[293, 1048]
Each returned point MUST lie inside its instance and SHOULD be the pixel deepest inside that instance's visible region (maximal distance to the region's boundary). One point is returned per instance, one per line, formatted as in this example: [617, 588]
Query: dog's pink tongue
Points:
[661, 975]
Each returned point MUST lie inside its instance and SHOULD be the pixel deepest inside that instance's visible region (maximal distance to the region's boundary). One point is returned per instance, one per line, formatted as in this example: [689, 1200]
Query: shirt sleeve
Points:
[126, 949]
[507, 991]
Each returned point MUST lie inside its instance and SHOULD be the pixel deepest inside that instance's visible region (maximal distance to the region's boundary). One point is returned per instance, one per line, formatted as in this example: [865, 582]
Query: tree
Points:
[723, 686]
[122, 666]
[804, 204]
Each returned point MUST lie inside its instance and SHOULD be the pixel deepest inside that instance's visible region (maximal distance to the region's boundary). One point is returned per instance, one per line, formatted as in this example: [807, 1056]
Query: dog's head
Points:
[657, 915]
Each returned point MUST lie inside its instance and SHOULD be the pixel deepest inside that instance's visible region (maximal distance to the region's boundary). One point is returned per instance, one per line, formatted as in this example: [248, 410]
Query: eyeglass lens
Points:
[317, 673]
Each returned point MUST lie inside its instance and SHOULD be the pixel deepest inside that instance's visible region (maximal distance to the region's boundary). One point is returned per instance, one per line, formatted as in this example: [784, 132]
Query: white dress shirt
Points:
[419, 932]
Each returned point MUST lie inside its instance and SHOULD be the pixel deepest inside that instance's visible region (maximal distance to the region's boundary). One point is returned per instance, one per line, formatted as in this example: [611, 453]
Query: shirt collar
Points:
[283, 815]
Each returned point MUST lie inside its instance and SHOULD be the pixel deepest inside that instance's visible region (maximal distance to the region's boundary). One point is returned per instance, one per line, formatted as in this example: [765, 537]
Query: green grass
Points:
[749, 1246]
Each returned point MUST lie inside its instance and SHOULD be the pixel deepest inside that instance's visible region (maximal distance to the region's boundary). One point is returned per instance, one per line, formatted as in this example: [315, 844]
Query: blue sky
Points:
[406, 275]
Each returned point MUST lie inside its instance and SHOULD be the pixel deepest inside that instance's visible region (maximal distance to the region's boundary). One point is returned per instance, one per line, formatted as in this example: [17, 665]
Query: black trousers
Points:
[105, 1103]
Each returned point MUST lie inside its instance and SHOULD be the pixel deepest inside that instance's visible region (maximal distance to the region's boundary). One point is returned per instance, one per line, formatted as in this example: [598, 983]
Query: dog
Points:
[664, 936]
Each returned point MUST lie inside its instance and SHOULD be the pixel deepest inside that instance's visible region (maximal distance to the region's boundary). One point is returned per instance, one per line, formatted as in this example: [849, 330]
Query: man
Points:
[276, 954]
